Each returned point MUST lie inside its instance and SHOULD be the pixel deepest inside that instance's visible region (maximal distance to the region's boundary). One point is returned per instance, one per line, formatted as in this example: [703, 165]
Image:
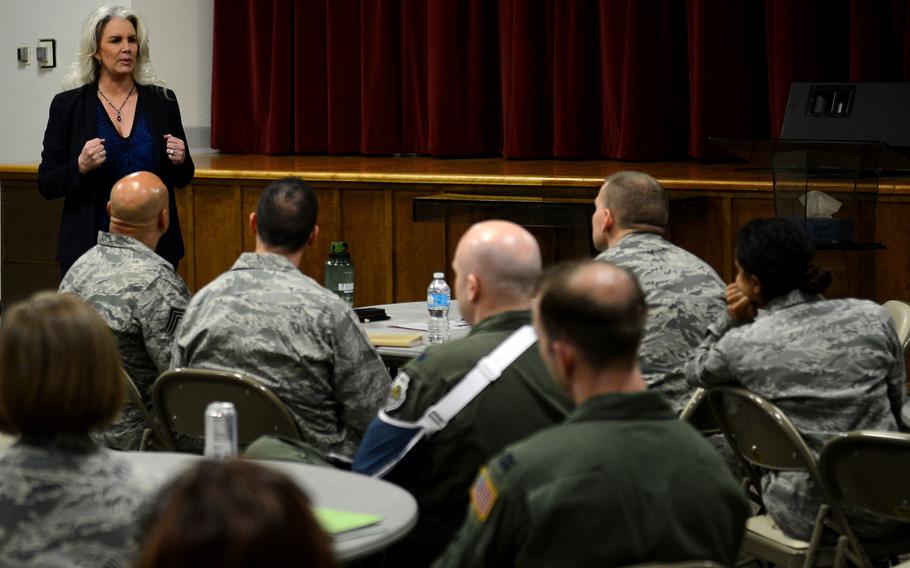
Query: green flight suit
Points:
[620, 482]
[439, 471]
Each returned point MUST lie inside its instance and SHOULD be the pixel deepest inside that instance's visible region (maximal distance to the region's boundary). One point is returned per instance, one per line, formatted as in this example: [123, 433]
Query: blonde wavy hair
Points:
[85, 68]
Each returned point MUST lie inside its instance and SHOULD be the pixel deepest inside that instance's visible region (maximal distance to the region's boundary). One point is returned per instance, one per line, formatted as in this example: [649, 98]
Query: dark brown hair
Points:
[606, 332]
[59, 368]
[637, 200]
[233, 514]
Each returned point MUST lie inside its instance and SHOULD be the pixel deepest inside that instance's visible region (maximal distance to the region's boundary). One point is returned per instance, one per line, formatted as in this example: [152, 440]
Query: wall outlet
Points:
[22, 54]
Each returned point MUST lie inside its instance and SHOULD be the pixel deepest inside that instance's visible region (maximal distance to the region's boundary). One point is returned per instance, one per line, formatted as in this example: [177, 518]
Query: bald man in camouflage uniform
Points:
[622, 481]
[267, 319]
[136, 291]
[684, 294]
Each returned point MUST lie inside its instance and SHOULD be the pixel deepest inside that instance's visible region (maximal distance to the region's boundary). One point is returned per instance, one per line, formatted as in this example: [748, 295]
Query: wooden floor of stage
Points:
[380, 206]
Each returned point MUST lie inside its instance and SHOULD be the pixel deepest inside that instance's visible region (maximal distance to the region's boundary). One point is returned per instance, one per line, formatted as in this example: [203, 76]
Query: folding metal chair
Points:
[181, 396]
[697, 412]
[900, 313]
[764, 438]
[870, 471]
[152, 434]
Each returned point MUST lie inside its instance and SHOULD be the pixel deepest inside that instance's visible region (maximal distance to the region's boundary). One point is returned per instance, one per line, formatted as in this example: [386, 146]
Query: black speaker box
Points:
[857, 112]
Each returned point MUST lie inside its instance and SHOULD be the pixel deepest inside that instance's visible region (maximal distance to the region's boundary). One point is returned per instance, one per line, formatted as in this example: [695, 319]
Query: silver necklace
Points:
[117, 109]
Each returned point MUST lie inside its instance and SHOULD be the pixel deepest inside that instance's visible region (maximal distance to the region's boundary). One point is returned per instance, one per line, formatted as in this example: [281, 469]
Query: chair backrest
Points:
[697, 412]
[869, 470]
[900, 313]
[760, 432]
[181, 396]
[134, 397]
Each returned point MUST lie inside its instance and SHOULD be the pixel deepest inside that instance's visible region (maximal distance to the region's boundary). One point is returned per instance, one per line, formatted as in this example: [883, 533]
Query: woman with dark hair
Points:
[63, 500]
[116, 118]
[233, 514]
[831, 366]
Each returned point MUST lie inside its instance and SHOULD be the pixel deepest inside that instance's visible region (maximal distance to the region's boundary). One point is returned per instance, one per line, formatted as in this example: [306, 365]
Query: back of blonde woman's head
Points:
[59, 368]
[85, 67]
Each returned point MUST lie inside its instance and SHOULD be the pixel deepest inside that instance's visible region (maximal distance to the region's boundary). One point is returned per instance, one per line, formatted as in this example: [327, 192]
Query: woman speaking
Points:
[118, 118]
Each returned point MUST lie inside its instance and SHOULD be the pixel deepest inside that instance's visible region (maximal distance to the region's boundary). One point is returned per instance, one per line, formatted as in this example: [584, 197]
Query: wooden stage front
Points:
[403, 216]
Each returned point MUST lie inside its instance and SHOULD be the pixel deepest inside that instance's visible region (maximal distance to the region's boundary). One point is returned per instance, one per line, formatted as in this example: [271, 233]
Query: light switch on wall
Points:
[22, 54]
[46, 52]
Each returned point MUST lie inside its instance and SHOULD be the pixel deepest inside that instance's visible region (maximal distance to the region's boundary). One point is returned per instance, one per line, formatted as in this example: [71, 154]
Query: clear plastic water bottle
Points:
[220, 430]
[339, 272]
[438, 297]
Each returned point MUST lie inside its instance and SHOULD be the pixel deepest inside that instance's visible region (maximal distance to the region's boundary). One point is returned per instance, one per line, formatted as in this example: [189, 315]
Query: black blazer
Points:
[72, 122]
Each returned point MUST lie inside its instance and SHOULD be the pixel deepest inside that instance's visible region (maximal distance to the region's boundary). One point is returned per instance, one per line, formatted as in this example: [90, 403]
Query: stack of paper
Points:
[391, 339]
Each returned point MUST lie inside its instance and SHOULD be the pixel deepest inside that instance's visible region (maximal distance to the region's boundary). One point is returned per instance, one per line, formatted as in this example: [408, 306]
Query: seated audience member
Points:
[684, 295]
[830, 365]
[136, 291]
[63, 500]
[233, 514]
[622, 481]
[267, 319]
[496, 266]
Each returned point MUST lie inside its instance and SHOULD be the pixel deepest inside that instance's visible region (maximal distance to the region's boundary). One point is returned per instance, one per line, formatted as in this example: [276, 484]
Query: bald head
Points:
[637, 200]
[499, 263]
[595, 306]
[139, 207]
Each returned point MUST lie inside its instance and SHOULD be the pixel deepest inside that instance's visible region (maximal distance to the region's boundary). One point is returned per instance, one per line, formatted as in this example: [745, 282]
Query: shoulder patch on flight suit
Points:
[483, 495]
[506, 461]
[399, 391]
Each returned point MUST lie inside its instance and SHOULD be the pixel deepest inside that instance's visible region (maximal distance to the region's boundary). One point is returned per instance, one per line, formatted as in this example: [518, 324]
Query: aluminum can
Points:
[220, 430]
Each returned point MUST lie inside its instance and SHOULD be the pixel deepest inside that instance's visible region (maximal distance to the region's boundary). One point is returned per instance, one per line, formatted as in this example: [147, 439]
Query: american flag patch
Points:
[483, 495]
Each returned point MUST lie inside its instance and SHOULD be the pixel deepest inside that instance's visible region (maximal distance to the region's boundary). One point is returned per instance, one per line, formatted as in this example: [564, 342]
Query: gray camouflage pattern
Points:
[266, 319]
[142, 299]
[831, 366]
[67, 508]
[684, 296]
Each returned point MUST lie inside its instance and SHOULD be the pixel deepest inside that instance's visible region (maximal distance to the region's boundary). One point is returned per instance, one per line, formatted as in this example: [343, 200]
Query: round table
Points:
[326, 487]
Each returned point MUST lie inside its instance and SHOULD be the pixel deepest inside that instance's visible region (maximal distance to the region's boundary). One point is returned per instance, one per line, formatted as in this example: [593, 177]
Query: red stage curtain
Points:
[624, 79]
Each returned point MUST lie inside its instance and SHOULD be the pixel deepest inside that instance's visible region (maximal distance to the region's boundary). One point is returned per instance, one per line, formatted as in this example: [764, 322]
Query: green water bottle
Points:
[339, 272]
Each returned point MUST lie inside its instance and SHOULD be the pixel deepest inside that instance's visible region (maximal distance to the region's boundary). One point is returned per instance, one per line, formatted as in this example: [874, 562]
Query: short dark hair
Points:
[233, 514]
[779, 253]
[286, 214]
[606, 333]
[59, 368]
[637, 200]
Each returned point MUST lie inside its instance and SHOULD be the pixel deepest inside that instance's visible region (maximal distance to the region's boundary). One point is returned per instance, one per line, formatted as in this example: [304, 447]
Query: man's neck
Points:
[588, 384]
[294, 257]
[484, 311]
[141, 234]
[614, 237]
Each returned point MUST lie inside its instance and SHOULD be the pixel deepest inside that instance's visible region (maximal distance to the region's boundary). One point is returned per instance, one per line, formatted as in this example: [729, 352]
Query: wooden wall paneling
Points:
[30, 226]
[696, 224]
[366, 225]
[419, 246]
[187, 267]
[218, 229]
[329, 223]
[893, 263]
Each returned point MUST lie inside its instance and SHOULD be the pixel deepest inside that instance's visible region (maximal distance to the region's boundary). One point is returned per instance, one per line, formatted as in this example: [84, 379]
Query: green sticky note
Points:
[334, 521]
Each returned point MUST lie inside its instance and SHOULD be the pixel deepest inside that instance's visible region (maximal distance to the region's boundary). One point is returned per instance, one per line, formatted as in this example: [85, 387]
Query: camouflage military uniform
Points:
[266, 319]
[68, 504]
[439, 472]
[684, 296]
[142, 299]
[831, 366]
[620, 482]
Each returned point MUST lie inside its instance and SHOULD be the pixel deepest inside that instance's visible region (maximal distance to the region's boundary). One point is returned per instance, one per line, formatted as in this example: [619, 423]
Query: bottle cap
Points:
[439, 275]
[338, 247]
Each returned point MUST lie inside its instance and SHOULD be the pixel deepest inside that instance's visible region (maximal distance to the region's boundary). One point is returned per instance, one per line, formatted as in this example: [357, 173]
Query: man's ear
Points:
[564, 358]
[314, 234]
[108, 209]
[164, 219]
[609, 220]
[756, 284]
[253, 226]
[473, 287]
